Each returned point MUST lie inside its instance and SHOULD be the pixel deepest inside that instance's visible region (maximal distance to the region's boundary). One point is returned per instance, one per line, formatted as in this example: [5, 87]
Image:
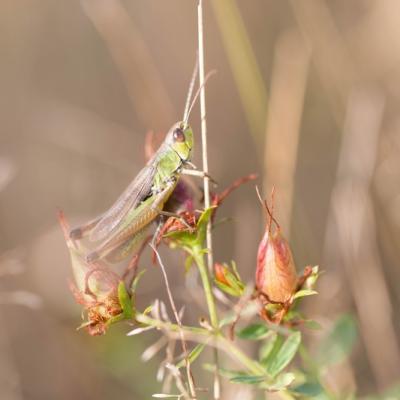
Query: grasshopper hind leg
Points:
[118, 253]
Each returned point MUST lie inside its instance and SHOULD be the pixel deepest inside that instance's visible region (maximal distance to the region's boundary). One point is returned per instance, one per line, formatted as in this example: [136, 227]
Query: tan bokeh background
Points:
[306, 95]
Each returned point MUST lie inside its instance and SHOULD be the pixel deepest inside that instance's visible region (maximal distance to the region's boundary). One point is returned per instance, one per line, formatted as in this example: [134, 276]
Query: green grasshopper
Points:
[123, 226]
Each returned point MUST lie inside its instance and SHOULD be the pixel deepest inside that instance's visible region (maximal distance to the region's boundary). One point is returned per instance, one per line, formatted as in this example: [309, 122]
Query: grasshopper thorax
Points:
[180, 139]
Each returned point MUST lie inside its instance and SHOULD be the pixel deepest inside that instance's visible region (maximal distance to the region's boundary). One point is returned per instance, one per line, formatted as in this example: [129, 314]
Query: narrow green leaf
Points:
[227, 289]
[304, 293]
[267, 346]
[277, 342]
[234, 283]
[253, 332]
[181, 238]
[202, 225]
[136, 280]
[249, 379]
[197, 350]
[312, 279]
[125, 301]
[309, 389]
[281, 382]
[148, 309]
[284, 355]
[235, 270]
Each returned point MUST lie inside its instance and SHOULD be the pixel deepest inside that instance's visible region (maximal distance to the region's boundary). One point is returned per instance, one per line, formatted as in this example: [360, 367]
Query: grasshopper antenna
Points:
[190, 91]
[186, 117]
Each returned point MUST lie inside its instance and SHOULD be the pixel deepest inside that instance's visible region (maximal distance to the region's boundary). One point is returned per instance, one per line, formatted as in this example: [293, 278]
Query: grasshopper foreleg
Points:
[200, 174]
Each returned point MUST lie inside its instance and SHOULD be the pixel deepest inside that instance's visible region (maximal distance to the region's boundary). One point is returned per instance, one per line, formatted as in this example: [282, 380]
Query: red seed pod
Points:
[276, 275]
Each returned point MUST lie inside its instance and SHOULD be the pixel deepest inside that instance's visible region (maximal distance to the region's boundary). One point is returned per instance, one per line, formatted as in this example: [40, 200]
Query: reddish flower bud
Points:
[276, 275]
[220, 272]
[227, 279]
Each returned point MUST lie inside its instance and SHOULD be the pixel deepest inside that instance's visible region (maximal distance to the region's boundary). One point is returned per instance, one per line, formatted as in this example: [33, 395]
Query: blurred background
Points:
[306, 95]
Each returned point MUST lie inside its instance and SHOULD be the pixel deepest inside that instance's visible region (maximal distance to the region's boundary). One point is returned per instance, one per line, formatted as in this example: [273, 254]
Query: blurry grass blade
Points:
[244, 65]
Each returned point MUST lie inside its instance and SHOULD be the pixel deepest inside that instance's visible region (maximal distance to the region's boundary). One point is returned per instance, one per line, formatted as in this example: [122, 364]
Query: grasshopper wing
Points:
[133, 195]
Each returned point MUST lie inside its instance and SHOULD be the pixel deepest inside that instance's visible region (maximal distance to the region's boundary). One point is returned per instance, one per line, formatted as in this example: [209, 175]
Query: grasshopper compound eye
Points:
[178, 135]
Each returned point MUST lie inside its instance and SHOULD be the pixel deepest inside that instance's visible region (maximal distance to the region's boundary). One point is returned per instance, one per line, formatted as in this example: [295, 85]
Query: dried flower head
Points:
[103, 294]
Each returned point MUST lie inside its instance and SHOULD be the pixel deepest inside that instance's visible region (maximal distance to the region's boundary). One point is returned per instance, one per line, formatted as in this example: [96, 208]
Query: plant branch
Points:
[201, 335]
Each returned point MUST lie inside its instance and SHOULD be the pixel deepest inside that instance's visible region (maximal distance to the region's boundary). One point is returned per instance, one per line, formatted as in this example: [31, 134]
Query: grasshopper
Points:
[122, 227]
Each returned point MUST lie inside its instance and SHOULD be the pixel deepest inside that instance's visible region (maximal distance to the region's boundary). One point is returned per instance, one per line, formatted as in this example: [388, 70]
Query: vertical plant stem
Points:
[205, 279]
[203, 270]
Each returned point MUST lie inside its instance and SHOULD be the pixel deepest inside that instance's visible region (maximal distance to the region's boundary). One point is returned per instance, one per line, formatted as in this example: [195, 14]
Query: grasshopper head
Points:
[180, 138]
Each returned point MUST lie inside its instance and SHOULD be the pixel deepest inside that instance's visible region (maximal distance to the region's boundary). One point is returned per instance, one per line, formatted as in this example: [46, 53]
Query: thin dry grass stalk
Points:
[207, 197]
[179, 322]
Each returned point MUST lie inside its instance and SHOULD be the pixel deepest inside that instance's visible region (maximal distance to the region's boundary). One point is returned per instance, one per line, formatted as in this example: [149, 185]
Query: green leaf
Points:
[136, 280]
[197, 350]
[253, 332]
[235, 270]
[312, 279]
[181, 238]
[202, 224]
[284, 355]
[308, 389]
[148, 309]
[276, 344]
[338, 344]
[227, 289]
[249, 379]
[281, 382]
[304, 293]
[234, 283]
[267, 347]
[125, 301]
